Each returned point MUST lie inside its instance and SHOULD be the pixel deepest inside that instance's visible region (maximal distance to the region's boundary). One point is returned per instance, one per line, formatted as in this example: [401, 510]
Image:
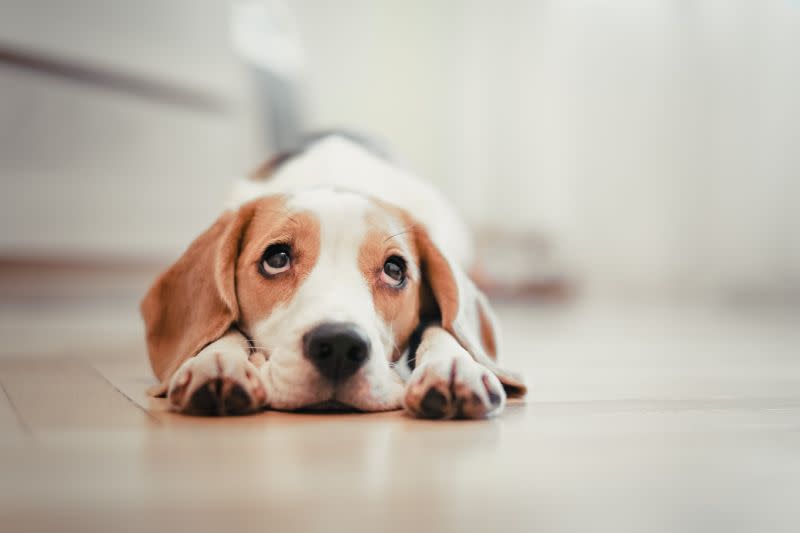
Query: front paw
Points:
[216, 383]
[454, 388]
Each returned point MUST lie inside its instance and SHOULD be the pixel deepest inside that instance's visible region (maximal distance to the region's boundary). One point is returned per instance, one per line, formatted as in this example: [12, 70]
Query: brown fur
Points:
[258, 295]
[487, 333]
[439, 274]
[268, 167]
[194, 302]
[402, 309]
[216, 283]
[399, 308]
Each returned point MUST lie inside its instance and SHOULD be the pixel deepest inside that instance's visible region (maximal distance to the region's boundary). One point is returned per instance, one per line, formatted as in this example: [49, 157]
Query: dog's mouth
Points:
[329, 406]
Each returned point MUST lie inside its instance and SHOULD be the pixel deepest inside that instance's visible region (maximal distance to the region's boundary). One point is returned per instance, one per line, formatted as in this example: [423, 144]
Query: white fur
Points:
[225, 358]
[443, 364]
[339, 163]
[335, 291]
[334, 180]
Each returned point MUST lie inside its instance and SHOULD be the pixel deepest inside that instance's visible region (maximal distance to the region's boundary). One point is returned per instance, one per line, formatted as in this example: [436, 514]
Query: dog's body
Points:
[333, 279]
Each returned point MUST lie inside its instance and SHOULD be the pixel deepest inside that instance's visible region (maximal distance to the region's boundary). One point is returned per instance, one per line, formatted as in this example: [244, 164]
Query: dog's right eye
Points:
[394, 272]
[277, 258]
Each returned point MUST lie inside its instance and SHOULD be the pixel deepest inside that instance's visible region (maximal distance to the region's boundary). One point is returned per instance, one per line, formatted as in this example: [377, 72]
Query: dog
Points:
[334, 280]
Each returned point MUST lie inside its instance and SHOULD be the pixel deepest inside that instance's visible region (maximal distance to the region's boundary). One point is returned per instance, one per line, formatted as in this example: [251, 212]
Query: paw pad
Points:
[433, 404]
[220, 397]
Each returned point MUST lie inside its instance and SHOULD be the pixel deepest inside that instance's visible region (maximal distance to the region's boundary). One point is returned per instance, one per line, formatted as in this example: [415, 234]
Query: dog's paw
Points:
[217, 383]
[455, 387]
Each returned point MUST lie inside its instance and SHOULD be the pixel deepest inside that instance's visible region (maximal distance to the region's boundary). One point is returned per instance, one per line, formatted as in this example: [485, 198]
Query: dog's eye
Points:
[394, 271]
[276, 259]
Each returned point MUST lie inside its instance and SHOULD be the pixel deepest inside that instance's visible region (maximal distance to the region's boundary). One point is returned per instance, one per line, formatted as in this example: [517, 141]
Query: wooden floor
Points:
[641, 418]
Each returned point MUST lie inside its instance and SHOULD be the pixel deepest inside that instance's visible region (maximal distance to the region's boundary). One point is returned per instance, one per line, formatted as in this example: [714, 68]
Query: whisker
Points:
[395, 347]
[408, 229]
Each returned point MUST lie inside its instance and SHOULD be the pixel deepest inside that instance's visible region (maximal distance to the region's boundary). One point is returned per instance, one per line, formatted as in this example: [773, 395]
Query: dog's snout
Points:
[337, 349]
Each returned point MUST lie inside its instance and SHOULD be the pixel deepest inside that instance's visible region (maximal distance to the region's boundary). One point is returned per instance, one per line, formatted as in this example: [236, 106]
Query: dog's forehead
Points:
[329, 200]
[343, 207]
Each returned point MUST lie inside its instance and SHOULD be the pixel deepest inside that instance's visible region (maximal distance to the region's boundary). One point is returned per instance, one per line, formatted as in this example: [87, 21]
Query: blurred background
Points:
[631, 169]
[630, 147]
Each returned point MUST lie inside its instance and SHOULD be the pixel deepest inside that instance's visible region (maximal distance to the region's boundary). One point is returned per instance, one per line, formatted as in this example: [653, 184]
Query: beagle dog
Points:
[334, 280]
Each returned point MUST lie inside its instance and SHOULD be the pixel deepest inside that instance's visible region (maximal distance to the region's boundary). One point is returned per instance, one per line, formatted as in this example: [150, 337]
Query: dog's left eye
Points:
[394, 271]
[276, 259]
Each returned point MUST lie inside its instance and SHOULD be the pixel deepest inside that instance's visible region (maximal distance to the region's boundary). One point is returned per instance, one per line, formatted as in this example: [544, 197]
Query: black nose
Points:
[337, 349]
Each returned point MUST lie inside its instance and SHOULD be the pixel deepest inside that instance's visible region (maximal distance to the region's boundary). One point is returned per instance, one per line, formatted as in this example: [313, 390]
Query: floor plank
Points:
[10, 425]
[132, 378]
[638, 420]
[67, 394]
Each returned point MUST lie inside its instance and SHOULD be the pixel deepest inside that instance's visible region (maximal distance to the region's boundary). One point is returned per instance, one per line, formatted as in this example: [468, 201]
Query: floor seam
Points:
[130, 400]
[22, 424]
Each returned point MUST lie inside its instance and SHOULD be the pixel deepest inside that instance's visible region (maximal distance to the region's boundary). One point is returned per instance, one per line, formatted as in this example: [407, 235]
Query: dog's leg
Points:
[449, 383]
[219, 380]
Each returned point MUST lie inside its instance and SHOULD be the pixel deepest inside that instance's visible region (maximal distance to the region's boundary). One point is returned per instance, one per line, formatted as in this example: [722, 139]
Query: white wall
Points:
[654, 140]
[88, 171]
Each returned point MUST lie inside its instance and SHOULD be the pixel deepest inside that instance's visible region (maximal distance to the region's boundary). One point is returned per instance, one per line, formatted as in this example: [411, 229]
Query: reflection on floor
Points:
[673, 417]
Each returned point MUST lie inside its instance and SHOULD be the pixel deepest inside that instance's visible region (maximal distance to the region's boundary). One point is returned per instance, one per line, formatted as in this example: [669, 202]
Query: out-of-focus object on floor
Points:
[520, 265]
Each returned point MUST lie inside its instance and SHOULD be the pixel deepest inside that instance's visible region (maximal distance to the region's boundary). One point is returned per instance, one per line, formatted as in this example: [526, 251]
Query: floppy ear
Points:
[465, 311]
[194, 302]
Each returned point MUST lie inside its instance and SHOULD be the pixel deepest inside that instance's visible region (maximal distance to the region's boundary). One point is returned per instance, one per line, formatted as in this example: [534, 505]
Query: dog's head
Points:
[329, 285]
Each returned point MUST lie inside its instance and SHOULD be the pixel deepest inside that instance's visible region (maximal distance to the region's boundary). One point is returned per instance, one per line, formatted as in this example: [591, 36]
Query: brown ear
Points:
[194, 302]
[465, 311]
